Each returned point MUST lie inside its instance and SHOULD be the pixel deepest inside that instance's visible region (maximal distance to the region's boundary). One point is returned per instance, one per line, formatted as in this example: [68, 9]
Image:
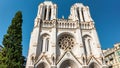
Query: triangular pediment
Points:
[43, 58]
[93, 59]
[68, 55]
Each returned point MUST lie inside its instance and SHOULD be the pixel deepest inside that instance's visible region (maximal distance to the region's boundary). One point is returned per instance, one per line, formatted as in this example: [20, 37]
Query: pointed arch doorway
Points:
[42, 65]
[68, 64]
[94, 65]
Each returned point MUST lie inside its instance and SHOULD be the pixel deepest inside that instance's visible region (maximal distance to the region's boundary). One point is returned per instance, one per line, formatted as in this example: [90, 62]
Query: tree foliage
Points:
[11, 55]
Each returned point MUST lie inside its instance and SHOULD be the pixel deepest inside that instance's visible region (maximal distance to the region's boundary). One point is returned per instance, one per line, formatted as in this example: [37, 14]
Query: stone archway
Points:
[94, 65]
[68, 64]
[42, 65]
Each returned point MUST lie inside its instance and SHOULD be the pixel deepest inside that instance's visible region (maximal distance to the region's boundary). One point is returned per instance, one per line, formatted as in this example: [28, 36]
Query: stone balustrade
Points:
[87, 25]
[67, 24]
[47, 23]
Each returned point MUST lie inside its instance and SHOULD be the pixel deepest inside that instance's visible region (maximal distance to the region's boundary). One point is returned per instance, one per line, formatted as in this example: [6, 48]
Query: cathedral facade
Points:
[64, 43]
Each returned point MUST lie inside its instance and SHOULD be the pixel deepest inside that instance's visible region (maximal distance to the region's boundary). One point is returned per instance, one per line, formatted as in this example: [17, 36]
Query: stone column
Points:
[40, 9]
[53, 12]
[54, 38]
[44, 42]
[76, 17]
[85, 15]
[88, 12]
[43, 12]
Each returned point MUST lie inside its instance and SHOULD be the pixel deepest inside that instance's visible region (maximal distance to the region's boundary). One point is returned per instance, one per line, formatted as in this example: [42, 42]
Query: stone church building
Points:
[64, 43]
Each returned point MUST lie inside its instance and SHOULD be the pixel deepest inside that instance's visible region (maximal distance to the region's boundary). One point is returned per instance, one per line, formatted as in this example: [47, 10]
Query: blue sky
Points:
[105, 13]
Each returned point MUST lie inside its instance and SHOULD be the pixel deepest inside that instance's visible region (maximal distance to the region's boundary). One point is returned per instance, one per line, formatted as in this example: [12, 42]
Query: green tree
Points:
[11, 55]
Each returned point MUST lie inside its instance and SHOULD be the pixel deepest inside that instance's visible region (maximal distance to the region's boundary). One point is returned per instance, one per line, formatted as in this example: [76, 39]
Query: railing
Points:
[47, 23]
[87, 25]
[67, 24]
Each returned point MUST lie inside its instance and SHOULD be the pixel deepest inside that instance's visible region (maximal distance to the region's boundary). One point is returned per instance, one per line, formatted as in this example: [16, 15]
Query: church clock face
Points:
[66, 42]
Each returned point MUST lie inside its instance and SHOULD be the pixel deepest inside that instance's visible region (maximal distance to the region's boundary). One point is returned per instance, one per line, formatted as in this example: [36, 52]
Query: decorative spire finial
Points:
[62, 16]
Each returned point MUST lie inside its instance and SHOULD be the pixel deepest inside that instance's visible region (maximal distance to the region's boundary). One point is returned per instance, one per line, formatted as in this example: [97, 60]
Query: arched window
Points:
[49, 13]
[41, 45]
[78, 14]
[87, 44]
[84, 46]
[47, 44]
[83, 15]
[45, 13]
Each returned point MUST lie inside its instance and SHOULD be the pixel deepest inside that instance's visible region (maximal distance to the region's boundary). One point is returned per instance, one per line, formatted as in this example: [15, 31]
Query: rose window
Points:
[66, 42]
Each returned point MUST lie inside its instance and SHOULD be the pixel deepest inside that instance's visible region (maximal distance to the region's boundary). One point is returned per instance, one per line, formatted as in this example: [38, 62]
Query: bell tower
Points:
[64, 43]
[80, 12]
[40, 38]
[47, 11]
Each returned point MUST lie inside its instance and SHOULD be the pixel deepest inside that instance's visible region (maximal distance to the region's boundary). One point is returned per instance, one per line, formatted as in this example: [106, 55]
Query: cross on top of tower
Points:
[62, 17]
